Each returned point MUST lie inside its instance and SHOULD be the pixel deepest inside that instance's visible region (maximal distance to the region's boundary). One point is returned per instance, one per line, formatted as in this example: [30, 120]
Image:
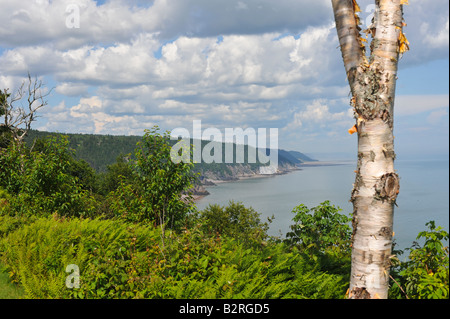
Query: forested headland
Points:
[104, 152]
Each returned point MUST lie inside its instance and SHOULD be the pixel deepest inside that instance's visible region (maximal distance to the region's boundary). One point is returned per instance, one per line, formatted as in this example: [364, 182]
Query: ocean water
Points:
[424, 195]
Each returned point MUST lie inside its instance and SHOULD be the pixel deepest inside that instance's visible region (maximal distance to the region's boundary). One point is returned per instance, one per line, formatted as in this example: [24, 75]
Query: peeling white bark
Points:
[377, 184]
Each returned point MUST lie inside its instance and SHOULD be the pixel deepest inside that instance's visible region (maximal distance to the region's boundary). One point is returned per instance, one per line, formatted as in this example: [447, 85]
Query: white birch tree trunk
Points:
[372, 81]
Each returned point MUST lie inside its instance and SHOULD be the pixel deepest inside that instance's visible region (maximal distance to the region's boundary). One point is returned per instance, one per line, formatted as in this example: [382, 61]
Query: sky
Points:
[119, 67]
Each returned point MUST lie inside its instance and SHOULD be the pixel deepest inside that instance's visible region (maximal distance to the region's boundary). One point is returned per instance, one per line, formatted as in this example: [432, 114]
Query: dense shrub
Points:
[115, 173]
[40, 182]
[321, 229]
[425, 273]
[236, 221]
[9, 224]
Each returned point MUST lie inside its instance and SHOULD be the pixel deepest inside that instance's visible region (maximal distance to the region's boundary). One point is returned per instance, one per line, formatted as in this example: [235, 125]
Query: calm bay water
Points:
[424, 195]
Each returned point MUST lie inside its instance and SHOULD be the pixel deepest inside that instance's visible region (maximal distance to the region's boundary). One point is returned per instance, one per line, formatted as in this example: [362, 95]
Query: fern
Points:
[122, 260]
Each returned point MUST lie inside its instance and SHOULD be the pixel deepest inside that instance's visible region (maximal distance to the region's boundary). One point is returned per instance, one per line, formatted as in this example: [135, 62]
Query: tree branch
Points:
[18, 119]
[352, 48]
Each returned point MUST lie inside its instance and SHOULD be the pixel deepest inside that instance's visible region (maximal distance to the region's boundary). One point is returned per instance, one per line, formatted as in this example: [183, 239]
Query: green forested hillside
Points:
[98, 150]
[102, 150]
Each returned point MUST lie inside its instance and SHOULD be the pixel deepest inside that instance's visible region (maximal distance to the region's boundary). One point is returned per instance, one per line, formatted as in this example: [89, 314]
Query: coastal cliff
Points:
[235, 172]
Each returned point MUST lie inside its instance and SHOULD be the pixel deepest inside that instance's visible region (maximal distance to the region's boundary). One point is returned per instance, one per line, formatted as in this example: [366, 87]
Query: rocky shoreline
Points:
[211, 179]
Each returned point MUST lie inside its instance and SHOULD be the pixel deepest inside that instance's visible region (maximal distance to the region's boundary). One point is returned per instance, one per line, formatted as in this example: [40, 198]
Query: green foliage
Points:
[425, 275]
[37, 254]
[5, 136]
[3, 101]
[116, 173]
[127, 203]
[156, 195]
[40, 181]
[9, 224]
[121, 260]
[4, 198]
[321, 229]
[235, 221]
[80, 169]
[206, 267]
[12, 168]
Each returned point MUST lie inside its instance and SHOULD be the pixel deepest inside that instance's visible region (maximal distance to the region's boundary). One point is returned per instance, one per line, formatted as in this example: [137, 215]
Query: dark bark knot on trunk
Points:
[385, 232]
[388, 187]
[359, 293]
